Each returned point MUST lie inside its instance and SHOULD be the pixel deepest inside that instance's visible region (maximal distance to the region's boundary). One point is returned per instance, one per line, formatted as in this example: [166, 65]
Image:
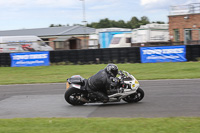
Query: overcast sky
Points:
[26, 14]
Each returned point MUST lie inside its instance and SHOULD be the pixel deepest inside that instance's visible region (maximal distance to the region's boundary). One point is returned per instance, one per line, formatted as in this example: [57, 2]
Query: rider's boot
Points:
[83, 99]
[102, 97]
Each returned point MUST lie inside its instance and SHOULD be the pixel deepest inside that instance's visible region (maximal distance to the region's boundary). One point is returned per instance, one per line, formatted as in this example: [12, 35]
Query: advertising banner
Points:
[29, 59]
[163, 54]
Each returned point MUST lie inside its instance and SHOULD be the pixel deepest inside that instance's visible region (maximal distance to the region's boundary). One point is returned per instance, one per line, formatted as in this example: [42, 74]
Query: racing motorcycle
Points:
[128, 90]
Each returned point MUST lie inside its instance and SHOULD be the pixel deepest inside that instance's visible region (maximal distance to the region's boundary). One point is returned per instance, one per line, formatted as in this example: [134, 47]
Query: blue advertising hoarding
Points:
[30, 59]
[163, 54]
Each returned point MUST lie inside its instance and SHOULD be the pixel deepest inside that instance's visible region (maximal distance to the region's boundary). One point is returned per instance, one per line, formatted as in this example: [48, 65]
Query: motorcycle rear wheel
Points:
[136, 97]
[72, 97]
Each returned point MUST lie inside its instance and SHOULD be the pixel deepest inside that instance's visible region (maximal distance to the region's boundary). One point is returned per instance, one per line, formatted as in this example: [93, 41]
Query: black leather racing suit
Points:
[99, 83]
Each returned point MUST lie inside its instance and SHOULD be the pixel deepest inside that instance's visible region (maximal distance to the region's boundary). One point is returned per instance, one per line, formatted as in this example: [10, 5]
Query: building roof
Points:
[50, 31]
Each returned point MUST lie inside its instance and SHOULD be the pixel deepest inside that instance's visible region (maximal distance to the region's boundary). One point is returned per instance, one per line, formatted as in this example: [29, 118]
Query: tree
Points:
[93, 25]
[121, 24]
[104, 23]
[52, 25]
[133, 23]
[159, 22]
[58, 25]
[144, 20]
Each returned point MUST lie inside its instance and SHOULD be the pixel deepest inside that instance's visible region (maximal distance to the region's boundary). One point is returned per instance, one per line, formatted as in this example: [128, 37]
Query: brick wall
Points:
[180, 22]
[51, 43]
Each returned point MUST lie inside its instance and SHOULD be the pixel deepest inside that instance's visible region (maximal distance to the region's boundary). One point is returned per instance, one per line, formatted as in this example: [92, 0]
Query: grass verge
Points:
[52, 74]
[100, 125]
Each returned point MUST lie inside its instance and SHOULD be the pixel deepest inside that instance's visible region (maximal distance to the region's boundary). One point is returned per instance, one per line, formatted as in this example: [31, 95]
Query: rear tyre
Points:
[136, 97]
[72, 96]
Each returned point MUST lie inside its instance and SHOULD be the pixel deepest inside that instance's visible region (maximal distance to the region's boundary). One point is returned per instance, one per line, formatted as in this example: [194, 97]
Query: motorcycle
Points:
[128, 90]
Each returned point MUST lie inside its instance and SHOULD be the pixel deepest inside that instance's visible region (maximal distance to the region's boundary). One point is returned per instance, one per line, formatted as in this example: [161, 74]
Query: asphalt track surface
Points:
[163, 98]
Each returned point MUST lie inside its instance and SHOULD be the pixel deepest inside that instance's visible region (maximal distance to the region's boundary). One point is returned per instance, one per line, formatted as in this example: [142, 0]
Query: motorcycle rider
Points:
[102, 81]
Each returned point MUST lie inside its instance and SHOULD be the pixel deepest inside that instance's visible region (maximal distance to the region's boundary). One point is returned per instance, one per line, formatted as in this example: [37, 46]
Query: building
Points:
[70, 37]
[184, 24]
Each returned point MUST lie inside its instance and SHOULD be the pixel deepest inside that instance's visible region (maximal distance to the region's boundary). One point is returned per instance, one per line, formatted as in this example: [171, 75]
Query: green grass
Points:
[52, 74]
[100, 125]
[49, 74]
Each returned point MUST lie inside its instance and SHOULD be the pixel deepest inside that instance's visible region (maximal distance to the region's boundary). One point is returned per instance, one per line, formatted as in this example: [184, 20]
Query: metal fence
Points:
[185, 9]
[5, 59]
[116, 55]
[193, 52]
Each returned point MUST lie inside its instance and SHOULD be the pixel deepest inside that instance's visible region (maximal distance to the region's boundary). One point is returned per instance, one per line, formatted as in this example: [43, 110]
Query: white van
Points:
[93, 41]
[150, 33]
[121, 40]
[22, 44]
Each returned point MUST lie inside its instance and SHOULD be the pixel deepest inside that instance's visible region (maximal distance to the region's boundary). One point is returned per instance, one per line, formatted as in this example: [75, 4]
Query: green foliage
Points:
[159, 22]
[56, 25]
[133, 23]
[100, 125]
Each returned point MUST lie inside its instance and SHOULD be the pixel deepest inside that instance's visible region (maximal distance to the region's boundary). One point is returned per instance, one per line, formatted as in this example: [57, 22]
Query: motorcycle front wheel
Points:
[136, 97]
[72, 96]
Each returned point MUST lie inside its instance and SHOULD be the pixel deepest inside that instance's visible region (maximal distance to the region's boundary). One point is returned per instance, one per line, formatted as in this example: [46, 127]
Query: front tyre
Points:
[72, 96]
[136, 97]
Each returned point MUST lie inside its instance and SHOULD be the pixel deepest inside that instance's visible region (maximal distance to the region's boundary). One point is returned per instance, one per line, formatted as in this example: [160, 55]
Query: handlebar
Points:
[121, 73]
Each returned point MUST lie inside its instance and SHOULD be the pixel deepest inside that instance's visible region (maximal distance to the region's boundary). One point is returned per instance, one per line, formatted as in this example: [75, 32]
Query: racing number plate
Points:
[67, 86]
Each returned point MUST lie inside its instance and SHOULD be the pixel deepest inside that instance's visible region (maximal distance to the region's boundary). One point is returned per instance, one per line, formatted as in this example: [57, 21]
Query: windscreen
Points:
[115, 40]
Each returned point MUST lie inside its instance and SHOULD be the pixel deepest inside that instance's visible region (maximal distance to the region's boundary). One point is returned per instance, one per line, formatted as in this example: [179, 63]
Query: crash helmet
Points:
[112, 69]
